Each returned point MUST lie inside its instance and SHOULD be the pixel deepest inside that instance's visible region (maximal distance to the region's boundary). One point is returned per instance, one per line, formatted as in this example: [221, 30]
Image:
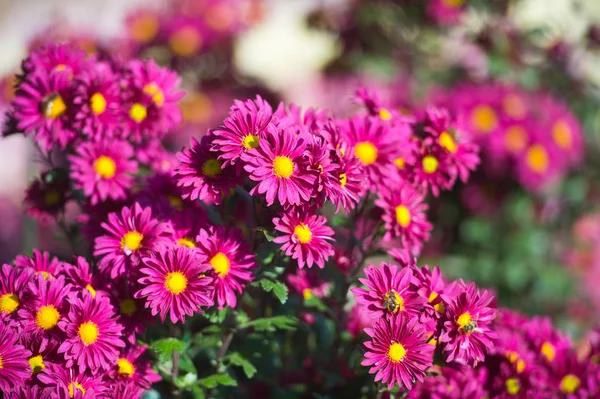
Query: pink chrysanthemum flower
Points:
[544, 339]
[97, 101]
[539, 164]
[389, 292]
[93, 334]
[47, 305]
[41, 263]
[150, 101]
[231, 260]
[432, 286]
[397, 351]
[279, 165]
[103, 170]
[446, 11]
[305, 238]
[322, 161]
[131, 233]
[358, 320]
[46, 196]
[134, 369]
[68, 383]
[83, 278]
[13, 358]
[132, 314]
[52, 57]
[564, 129]
[13, 289]
[432, 171]
[200, 175]
[175, 282]
[308, 284]
[143, 26]
[466, 334]
[41, 108]
[186, 225]
[405, 216]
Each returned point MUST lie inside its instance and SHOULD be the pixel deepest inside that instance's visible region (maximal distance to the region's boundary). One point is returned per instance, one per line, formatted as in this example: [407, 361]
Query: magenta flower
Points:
[41, 263]
[103, 170]
[279, 167]
[41, 108]
[539, 164]
[389, 292]
[131, 234]
[358, 320]
[200, 175]
[308, 284]
[404, 214]
[13, 358]
[446, 11]
[175, 282]
[134, 369]
[52, 57]
[397, 352]
[466, 334]
[46, 196]
[93, 334]
[231, 260]
[544, 339]
[305, 238]
[82, 277]
[13, 289]
[68, 383]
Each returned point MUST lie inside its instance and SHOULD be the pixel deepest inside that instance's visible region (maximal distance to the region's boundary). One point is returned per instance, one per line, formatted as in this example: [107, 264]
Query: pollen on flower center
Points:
[303, 233]
[88, 332]
[430, 164]
[156, 93]
[125, 367]
[400, 163]
[138, 112]
[186, 242]
[548, 351]
[73, 386]
[307, 293]
[250, 141]
[53, 106]
[403, 216]
[9, 303]
[366, 152]
[52, 198]
[512, 386]
[397, 352]
[570, 383]
[131, 241]
[127, 307]
[283, 166]
[47, 317]
[211, 168]
[447, 141]
[176, 282]
[464, 320]
[98, 103]
[220, 263]
[37, 364]
[484, 118]
[515, 139]
[1, 363]
[91, 290]
[105, 167]
[432, 296]
[343, 179]
[537, 158]
[561, 133]
[385, 114]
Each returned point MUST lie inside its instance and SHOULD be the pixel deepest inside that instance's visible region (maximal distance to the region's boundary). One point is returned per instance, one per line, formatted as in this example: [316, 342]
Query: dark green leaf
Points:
[218, 379]
[268, 235]
[279, 289]
[164, 347]
[272, 323]
[238, 360]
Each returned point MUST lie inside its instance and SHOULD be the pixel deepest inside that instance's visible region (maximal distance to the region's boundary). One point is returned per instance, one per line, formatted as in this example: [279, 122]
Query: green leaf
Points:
[186, 364]
[218, 379]
[216, 316]
[279, 289]
[271, 324]
[314, 302]
[238, 360]
[268, 235]
[198, 393]
[187, 381]
[165, 347]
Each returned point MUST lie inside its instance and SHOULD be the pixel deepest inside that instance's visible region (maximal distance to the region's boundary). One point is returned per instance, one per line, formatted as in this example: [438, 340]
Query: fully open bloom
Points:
[93, 334]
[133, 368]
[13, 289]
[52, 57]
[231, 260]
[175, 282]
[13, 359]
[41, 263]
[69, 383]
[103, 170]
[308, 284]
[305, 238]
[397, 351]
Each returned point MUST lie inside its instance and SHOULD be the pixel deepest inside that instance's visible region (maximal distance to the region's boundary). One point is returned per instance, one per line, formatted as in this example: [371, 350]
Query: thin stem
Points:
[220, 355]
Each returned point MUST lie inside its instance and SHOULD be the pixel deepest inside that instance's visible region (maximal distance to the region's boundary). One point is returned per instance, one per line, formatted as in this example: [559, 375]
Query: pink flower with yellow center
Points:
[41, 263]
[14, 370]
[308, 284]
[134, 369]
[13, 290]
[46, 196]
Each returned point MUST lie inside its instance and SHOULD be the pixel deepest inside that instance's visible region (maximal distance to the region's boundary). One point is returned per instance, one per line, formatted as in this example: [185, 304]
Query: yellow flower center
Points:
[138, 112]
[484, 118]
[283, 167]
[393, 302]
[430, 164]
[537, 158]
[570, 383]
[447, 141]
[512, 356]
[400, 163]
[144, 28]
[9, 303]
[98, 103]
[125, 367]
[439, 307]
[88, 332]
[156, 93]
[186, 242]
[175, 202]
[45, 275]
[131, 241]
[128, 307]
[105, 167]
[515, 139]
[520, 365]
[250, 141]
[548, 351]
[220, 263]
[432, 296]
[514, 106]
[307, 293]
[343, 179]
[91, 290]
[512, 386]
[561, 133]
[176, 282]
[1, 363]
[385, 114]
[53, 106]
[211, 168]
[396, 353]
[366, 152]
[303, 233]
[37, 364]
[52, 198]
[73, 386]
[47, 317]
[185, 42]
[403, 215]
